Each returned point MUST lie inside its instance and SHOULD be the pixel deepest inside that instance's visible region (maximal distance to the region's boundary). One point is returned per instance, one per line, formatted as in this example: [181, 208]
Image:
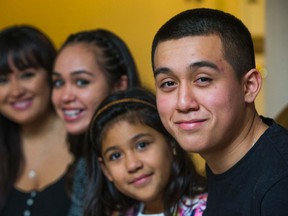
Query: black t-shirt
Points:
[258, 183]
[52, 201]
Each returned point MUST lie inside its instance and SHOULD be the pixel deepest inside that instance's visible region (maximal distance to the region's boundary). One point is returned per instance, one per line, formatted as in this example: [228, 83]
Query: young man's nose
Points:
[186, 100]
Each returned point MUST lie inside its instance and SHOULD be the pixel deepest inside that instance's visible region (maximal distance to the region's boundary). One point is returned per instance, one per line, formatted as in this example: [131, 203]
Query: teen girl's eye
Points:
[82, 82]
[57, 83]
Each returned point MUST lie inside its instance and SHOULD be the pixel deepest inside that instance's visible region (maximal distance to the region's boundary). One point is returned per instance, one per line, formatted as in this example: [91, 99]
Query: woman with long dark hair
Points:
[34, 154]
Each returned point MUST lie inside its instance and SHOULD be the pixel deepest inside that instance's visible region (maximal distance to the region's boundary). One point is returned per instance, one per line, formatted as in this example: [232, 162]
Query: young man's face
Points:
[199, 98]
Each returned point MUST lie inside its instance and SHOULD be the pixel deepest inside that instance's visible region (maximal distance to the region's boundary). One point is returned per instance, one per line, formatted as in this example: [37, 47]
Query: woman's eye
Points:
[27, 75]
[82, 82]
[3, 80]
[57, 83]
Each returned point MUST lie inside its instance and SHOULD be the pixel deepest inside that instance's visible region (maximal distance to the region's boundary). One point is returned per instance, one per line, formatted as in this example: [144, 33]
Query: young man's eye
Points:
[167, 84]
[82, 82]
[203, 80]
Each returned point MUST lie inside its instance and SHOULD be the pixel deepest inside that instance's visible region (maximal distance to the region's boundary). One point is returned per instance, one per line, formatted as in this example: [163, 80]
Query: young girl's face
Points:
[138, 160]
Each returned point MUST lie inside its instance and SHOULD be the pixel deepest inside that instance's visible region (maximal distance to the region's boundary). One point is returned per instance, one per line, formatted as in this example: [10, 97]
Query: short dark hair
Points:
[236, 39]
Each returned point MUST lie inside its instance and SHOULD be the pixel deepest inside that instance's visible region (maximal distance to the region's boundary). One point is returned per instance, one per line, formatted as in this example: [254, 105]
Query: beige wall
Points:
[136, 21]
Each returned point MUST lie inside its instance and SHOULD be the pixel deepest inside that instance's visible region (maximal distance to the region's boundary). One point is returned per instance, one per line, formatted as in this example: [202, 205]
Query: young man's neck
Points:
[224, 159]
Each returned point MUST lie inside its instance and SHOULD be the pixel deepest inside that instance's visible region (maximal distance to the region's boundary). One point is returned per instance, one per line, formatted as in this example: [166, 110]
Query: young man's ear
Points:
[122, 84]
[252, 85]
[105, 170]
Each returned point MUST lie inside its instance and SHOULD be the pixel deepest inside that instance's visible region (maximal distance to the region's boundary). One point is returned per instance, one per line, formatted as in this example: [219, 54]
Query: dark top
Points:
[79, 189]
[52, 201]
[258, 183]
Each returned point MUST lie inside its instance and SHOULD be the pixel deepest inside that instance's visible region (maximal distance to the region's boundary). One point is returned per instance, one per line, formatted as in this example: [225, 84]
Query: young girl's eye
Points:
[114, 156]
[82, 82]
[142, 145]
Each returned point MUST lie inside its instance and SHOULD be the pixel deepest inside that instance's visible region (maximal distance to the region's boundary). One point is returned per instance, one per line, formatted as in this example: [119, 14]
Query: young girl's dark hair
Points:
[25, 47]
[135, 106]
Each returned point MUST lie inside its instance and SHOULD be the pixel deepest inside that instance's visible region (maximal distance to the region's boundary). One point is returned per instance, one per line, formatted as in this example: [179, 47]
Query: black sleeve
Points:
[275, 201]
[78, 189]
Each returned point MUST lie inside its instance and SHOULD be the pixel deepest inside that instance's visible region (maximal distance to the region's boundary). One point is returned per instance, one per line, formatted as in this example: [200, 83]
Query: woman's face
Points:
[79, 86]
[24, 94]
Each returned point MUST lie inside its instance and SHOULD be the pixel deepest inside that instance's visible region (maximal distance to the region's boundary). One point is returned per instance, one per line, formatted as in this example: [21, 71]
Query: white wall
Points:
[276, 89]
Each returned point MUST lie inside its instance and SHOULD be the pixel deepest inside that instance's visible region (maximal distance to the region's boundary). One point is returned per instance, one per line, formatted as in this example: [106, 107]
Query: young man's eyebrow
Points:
[161, 70]
[200, 64]
[192, 66]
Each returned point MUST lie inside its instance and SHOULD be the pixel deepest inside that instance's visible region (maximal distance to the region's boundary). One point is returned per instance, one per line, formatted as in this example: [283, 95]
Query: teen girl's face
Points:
[24, 94]
[79, 86]
[138, 160]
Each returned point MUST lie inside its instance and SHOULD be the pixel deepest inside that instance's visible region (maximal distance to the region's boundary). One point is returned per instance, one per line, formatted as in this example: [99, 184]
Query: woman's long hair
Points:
[26, 47]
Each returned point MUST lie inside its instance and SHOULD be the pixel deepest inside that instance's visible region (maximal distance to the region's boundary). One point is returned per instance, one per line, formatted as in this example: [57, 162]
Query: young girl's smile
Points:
[138, 160]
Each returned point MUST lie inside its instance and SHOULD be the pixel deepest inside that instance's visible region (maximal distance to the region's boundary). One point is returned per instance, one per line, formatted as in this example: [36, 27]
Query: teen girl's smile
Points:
[78, 86]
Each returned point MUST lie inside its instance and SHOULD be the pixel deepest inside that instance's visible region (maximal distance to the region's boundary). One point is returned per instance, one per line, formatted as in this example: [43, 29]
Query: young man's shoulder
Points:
[273, 151]
[277, 137]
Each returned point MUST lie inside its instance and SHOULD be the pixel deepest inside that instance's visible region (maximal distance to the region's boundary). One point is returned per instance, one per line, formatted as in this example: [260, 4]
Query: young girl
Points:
[145, 172]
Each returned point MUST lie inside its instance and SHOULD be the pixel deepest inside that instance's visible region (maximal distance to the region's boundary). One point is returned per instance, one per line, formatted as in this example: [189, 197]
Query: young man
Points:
[206, 84]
